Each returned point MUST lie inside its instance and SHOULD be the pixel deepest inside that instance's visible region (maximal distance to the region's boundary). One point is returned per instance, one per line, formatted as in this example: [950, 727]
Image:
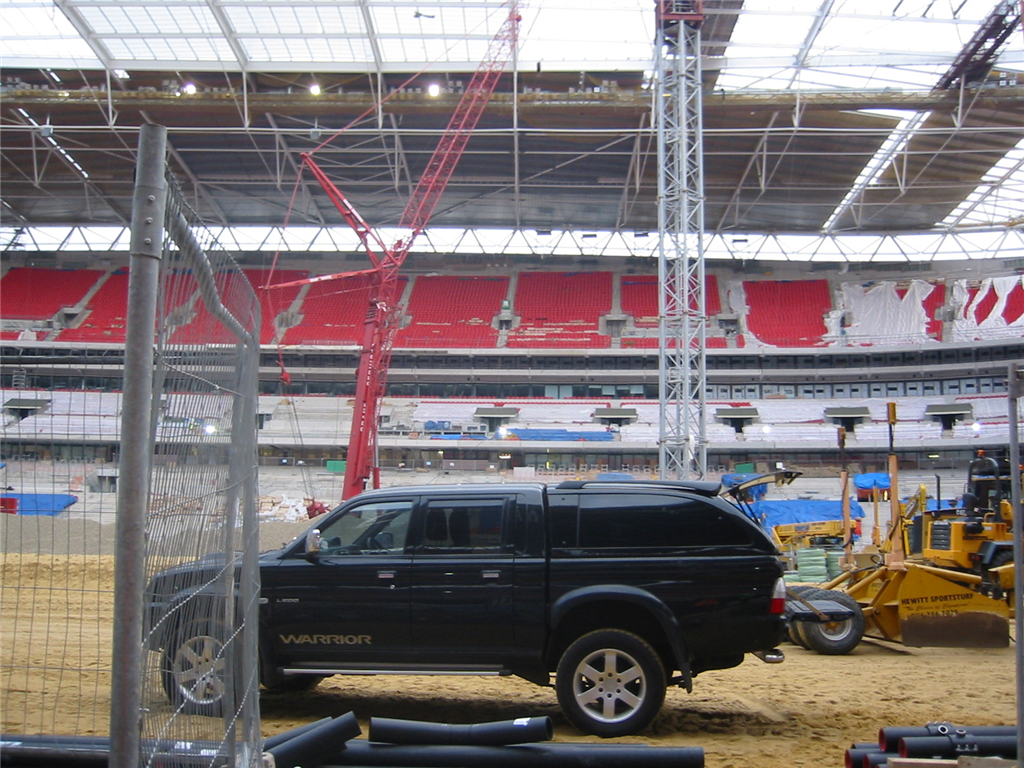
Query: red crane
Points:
[383, 313]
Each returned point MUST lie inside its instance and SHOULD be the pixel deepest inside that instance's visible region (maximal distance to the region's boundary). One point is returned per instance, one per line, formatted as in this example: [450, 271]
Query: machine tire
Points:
[835, 638]
[991, 585]
[193, 668]
[597, 704]
[1001, 558]
[793, 627]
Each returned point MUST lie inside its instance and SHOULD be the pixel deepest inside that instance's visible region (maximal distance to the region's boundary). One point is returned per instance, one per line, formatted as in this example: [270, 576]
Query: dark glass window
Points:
[463, 525]
[655, 521]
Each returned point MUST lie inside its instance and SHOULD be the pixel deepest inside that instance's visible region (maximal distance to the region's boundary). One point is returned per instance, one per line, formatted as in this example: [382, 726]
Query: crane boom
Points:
[383, 313]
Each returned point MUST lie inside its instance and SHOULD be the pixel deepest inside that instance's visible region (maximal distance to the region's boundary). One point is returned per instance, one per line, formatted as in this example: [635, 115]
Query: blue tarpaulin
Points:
[48, 504]
[871, 480]
[784, 512]
[561, 435]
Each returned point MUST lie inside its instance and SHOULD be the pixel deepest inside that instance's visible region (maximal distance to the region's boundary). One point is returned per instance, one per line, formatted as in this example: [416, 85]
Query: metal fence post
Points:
[148, 205]
[1013, 393]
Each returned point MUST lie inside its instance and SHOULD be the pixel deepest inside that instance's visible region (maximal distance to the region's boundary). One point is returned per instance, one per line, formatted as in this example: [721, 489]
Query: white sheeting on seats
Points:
[917, 430]
[799, 410]
[444, 411]
[568, 412]
[967, 327]
[988, 429]
[784, 433]
[990, 407]
[879, 315]
[736, 301]
[66, 425]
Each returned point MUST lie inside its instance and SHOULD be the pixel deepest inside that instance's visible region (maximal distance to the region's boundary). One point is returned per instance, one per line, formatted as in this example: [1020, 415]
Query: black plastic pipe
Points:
[960, 744]
[855, 755]
[882, 758]
[35, 756]
[522, 730]
[280, 738]
[889, 738]
[556, 755]
[316, 746]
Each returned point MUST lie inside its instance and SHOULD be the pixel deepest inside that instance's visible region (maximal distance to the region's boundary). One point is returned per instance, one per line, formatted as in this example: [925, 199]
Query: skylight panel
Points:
[41, 32]
[149, 19]
[849, 34]
[254, 20]
[556, 31]
[902, 44]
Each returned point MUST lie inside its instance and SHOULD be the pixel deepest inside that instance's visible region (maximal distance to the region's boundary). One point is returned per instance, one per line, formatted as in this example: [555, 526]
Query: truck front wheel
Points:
[195, 669]
[610, 683]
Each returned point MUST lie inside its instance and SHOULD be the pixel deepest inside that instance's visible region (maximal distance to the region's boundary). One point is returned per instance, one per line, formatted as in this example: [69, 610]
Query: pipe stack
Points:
[392, 744]
[934, 740]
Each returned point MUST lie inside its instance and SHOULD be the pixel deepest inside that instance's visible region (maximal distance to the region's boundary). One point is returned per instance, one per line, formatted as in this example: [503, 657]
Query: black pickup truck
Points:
[618, 589]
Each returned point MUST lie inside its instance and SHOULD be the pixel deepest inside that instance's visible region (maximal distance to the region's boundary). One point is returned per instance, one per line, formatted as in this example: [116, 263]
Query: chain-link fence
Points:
[67, 460]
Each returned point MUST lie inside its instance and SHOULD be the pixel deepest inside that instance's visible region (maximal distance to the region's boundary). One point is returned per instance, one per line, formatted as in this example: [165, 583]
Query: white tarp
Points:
[968, 327]
[876, 314]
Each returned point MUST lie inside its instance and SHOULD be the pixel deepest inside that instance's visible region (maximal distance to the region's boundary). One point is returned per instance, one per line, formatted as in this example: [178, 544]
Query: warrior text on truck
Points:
[616, 589]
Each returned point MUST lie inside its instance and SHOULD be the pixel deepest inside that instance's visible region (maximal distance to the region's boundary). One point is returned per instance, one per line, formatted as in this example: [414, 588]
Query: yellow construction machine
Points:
[819, 533]
[942, 577]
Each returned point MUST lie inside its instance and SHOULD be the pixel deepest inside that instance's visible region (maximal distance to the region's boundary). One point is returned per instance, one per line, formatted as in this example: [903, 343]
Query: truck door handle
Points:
[491, 574]
[385, 574]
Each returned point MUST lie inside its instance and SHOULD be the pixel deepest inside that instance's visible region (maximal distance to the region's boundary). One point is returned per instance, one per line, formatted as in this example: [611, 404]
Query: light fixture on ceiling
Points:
[54, 76]
[433, 90]
[46, 130]
[314, 132]
[189, 89]
[589, 236]
[315, 89]
[543, 232]
[122, 74]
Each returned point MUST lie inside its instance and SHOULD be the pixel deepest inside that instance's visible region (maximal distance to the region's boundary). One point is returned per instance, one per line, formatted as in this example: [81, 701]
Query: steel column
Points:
[682, 438]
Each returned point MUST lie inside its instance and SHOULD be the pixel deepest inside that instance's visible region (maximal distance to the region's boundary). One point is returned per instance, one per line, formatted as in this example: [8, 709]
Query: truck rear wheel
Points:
[610, 683]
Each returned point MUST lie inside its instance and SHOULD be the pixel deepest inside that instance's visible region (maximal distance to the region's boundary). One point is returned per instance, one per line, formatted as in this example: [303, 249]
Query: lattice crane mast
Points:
[383, 313]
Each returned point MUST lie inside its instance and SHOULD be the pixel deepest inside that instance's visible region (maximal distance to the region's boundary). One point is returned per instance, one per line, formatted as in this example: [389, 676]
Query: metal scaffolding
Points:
[682, 439]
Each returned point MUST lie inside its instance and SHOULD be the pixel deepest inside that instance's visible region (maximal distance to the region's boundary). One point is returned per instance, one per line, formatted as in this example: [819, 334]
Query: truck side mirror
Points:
[313, 542]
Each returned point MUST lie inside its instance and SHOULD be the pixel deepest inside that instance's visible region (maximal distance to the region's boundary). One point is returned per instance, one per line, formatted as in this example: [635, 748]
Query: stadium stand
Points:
[333, 312]
[453, 311]
[107, 313]
[639, 300]
[203, 327]
[273, 301]
[34, 293]
[787, 313]
[561, 309]
[991, 308]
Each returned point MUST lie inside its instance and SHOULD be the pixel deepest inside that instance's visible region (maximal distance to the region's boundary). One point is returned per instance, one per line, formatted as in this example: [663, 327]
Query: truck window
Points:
[463, 525]
[376, 527]
[654, 521]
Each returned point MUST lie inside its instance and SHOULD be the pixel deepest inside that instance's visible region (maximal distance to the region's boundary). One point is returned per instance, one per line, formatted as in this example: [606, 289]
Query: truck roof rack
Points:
[703, 487]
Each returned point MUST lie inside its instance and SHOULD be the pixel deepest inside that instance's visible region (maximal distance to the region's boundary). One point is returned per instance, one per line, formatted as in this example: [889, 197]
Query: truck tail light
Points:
[778, 604]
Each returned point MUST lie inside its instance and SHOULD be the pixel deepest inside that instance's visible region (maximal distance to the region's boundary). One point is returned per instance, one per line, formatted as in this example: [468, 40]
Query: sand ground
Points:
[803, 712]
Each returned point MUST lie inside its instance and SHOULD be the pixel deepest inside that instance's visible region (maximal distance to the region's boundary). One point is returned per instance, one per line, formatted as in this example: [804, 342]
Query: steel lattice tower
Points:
[682, 440]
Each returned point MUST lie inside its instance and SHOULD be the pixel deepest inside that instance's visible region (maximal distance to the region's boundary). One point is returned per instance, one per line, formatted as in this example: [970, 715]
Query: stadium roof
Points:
[833, 129]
